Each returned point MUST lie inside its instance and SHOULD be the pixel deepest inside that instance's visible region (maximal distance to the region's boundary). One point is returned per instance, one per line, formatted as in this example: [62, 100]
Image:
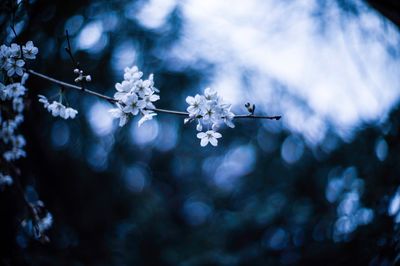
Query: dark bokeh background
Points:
[152, 196]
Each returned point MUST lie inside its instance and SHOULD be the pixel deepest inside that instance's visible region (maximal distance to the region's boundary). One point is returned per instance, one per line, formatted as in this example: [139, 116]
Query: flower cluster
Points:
[135, 95]
[210, 112]
[12, 61]
[12, 92]
[57, 108]
[13, 95]
[12, 57]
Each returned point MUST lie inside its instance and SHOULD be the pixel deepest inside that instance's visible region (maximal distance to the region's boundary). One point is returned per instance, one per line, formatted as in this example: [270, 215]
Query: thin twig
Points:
[112, 100]
[62, 83]
[68, 49]
[277, 117]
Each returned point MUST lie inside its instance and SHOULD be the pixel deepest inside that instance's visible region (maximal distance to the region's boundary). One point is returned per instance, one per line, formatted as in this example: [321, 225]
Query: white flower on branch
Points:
[7, 130]
[147, 115]
[44, 100]
[14, 66]
[132, 104]
[11, 59]
[18, 142]
[209, 137]
[210, 111]
[14, 90]
[132, 74]
[143, 88]
[228, 116]
[15, 50]
[70, 113]
[119, 113]
[122, 90]
[135, 96]
[29, 50]
[57, 108]
[195, 104]
[149, 99]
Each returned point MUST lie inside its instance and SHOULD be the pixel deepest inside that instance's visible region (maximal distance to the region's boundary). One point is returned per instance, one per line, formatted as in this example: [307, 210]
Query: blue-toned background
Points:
[312, 188]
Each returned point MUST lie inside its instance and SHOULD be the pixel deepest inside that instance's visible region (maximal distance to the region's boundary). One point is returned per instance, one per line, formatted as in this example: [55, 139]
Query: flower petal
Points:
[203, 142]
[213, 141]
[190, 100]
[217, 135]
[201, 135]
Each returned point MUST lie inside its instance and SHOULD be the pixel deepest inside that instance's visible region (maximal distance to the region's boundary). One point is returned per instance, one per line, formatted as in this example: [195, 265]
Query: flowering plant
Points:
[134, 96]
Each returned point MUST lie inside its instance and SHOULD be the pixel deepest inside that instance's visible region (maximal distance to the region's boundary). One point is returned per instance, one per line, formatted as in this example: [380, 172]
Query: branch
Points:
[112, 100]
[68, 85]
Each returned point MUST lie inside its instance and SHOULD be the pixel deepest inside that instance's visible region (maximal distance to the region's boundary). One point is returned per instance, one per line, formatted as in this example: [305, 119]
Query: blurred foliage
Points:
[154, 197]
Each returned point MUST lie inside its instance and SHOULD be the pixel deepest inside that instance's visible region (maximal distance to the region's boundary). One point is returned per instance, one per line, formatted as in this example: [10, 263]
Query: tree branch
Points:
[112, 100]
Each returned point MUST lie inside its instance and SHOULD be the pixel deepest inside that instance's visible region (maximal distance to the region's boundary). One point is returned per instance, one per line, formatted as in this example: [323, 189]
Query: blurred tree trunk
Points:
[388, 8]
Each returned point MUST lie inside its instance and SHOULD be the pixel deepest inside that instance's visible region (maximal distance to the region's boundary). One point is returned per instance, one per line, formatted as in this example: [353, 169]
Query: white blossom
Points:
[29, 50]
[228, 116]
[132, 104]
[209, 110]
[149, 99]
[18, 142]
[119, 113]
[196, 104]
[132, 74]
[14, 66]
[7, 130]
[70, 113]
[210, 94]
[135, 96]
[15, 50]
[14, 90]
[123, 89]
[44, 100]
[209, 137]
[147, 115]
[143, 88]
[58, 109]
